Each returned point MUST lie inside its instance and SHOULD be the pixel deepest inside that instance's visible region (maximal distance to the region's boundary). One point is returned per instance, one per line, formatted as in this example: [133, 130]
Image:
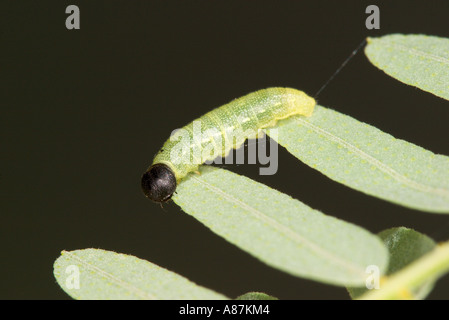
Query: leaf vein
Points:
[283, 229]
[421, 53]
[138, 292]
[375, 162]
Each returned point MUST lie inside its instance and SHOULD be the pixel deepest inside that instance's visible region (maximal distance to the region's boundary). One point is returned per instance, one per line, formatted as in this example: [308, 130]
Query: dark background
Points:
[84, 111]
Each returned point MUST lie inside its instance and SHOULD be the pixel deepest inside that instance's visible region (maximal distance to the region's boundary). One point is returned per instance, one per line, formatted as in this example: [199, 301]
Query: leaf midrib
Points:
[119, 282]
[420, 52]
[285, 230]
[375, 162]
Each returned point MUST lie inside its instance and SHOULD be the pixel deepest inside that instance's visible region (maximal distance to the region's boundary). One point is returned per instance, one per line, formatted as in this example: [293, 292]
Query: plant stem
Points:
[399, 286]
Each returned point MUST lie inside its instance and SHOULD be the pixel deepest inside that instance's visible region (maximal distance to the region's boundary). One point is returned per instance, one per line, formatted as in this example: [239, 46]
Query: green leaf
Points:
[418, 60]
[405, 246]
[368, 160]
[109, 275]
[255, 296]
[278, 229]
[402, 284]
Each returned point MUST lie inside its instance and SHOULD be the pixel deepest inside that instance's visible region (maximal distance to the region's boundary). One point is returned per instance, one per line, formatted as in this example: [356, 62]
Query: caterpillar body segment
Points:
[218, 132]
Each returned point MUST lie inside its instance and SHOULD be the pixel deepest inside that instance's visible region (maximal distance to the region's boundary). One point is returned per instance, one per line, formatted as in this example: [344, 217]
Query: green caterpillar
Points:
[221, 129]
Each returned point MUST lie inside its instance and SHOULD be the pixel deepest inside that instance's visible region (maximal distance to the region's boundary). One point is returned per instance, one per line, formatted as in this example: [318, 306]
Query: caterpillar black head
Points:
[159, 183]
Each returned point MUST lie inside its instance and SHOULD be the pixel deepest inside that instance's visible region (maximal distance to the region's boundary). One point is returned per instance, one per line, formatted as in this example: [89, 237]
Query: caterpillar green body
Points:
[223, 128]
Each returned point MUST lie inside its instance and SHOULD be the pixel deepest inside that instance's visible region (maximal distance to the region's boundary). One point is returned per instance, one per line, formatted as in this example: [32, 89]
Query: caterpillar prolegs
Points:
[222, 129]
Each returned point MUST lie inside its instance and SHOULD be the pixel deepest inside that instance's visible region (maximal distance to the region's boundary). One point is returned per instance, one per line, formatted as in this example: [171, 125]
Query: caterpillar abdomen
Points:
[219, 131]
